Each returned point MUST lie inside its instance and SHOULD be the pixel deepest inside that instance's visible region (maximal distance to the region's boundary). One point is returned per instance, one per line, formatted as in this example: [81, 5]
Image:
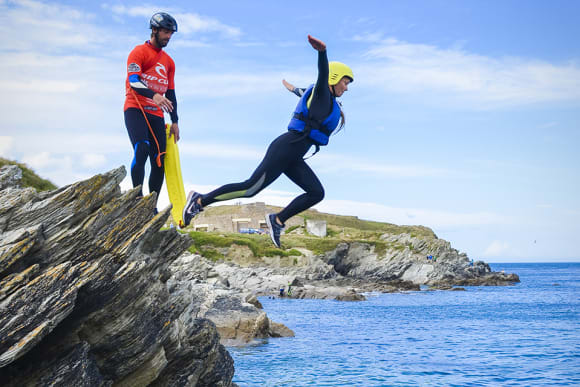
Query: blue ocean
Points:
[522, 335]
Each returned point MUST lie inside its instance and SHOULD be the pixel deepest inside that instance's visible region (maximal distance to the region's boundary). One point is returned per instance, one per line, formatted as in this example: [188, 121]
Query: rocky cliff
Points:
[397, 261]
[84, 299]
[93, 292]
[406, 258]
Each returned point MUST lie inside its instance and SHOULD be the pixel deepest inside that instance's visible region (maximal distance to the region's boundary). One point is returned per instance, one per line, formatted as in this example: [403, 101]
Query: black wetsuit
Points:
[285, 155]
[149, 70]
[144, 147]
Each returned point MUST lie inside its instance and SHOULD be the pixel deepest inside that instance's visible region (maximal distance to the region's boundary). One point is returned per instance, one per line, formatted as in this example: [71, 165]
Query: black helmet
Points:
[163, 20]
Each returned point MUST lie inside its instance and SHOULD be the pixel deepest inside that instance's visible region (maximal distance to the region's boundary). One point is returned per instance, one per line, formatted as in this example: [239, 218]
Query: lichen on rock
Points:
[83, 291]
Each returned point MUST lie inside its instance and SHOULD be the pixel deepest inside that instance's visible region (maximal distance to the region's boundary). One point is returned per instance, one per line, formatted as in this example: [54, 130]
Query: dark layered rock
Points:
[238, 316]
[316, 280]
[355, 268]
[406, 259]
[83, 291]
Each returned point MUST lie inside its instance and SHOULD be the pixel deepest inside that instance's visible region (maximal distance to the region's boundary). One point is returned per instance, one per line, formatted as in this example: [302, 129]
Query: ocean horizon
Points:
[521, 335]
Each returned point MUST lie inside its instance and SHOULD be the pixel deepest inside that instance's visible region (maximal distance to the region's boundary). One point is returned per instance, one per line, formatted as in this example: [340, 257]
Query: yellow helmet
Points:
[336, 71]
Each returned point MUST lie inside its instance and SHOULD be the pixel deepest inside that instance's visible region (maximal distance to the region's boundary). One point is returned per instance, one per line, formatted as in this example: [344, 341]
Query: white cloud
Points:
[374, 211]
[187, 22]
[192, 23]
[66, 91]
[330, 163]
[93, 160]
[498, 248]
[545, 206]
[6, 146]
[183, 43]
[219, 151]
[211, 85]
[549, 125]
[45, 160]
[341, 163]
[37, 23]
[71, 144]
[445, 75]
[146, 10]
[60, 169]
[411, 216]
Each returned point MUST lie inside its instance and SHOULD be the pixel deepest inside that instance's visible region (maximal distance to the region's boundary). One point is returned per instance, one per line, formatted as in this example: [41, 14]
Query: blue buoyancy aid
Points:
[316, 130]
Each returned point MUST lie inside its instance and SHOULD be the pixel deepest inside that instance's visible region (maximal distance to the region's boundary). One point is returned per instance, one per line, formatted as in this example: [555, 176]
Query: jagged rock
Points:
[351, 295]
[237, 317]
[10, 176]
[252, 299]
[296, 282]
[327, 292]
[317, 280]
[402, 266]
[83, 293]
[279, 330]
[405, 259]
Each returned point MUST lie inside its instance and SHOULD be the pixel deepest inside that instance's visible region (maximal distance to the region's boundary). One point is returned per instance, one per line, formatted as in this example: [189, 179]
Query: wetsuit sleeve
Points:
[171, 75]
[321, 102]
[299, 91]
[134, 70]
[170, 95]
[140, 87]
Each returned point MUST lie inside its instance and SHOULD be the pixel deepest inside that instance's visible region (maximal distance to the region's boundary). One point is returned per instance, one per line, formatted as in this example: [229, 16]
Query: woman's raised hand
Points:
[318, 45]
[288, 85]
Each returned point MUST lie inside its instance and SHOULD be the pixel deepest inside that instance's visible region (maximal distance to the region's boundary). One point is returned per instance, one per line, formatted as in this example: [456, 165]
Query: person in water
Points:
[315, 118]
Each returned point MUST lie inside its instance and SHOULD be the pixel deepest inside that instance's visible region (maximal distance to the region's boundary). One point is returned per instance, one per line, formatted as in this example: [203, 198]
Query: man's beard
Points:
[159, 41]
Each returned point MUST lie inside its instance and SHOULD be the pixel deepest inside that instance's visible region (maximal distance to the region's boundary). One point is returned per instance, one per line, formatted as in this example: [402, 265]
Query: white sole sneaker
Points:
[271, 228]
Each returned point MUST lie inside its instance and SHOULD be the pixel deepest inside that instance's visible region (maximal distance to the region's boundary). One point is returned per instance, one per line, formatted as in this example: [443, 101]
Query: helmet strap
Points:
[333, 91]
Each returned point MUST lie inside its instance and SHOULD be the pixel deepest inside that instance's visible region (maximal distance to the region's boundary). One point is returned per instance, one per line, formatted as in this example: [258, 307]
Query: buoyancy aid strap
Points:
[311, 123]
[159, 153]
[315, 152]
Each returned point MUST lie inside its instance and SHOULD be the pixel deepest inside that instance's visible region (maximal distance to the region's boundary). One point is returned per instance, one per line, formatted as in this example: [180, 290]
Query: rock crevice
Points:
[83, 291]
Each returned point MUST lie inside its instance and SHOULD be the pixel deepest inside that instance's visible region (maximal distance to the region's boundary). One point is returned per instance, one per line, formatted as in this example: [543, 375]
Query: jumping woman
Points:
[317, 115]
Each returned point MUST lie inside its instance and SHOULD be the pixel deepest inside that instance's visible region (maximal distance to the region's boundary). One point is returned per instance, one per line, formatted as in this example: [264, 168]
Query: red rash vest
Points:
[155, 70]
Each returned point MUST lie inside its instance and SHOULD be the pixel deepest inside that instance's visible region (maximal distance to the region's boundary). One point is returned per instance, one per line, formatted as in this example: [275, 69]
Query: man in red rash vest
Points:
[150, 91]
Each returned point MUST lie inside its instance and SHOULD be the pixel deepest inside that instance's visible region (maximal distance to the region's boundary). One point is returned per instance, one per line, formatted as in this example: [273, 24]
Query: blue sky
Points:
[464, 115]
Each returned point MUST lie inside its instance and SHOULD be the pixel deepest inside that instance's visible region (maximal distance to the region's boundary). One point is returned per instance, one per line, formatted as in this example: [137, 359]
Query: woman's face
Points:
[341, 86]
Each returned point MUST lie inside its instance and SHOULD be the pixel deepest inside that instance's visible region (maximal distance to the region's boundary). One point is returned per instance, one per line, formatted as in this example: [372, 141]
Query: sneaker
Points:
[275, 229]
[191, 208]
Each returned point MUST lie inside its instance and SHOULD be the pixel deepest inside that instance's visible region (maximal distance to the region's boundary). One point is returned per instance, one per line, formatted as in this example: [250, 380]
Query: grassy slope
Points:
[339, 229]
[29, 178]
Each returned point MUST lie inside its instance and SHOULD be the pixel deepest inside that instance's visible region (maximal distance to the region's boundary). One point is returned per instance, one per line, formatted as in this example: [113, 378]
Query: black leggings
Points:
[284, 156]
[144, 147]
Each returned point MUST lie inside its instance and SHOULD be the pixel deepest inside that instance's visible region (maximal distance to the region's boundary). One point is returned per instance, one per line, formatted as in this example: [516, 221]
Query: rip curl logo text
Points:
[160, 69]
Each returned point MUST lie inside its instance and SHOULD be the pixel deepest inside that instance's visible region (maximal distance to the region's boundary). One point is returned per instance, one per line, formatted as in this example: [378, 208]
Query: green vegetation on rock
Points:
[209, 243]
[365, 228]
[217, 245]
[29, 178]
[339, 226]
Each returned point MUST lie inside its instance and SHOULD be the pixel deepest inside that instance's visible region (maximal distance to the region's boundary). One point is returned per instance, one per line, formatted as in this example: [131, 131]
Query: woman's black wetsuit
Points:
[285, 155]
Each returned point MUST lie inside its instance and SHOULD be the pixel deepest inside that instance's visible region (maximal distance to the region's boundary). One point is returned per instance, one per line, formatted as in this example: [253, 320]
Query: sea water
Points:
[522, 335]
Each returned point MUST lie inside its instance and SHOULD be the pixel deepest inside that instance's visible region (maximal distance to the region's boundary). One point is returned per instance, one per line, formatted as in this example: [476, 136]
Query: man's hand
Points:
[165, 104]
[318, 45]
[174, 130]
